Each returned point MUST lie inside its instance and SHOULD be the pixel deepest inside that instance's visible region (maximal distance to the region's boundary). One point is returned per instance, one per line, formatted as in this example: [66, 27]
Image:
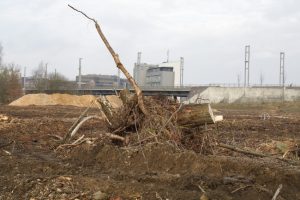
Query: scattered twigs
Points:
[5, 145]
[240, 188]
[137, 132]
[158, 196]
[237, 149]
[78, 140]
[174, 113]
[7, 152]
[118, 62]
[261, 188]
[296, 150]
[81, 123]
[202, 190]
[101, 111]
[67, 135]
[277, 192]
[56, 137]
[114, 137]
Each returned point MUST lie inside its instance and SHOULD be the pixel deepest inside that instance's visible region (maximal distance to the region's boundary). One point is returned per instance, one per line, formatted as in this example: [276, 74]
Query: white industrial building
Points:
[178, 70]
[163, 74]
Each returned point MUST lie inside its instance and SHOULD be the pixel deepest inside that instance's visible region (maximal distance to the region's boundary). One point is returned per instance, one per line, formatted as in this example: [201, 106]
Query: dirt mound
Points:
[62, 99]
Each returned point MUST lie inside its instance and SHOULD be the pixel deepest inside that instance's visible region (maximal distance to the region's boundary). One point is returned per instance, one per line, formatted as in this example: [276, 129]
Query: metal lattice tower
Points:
[181, 70]
[247, 66]
[281, 69]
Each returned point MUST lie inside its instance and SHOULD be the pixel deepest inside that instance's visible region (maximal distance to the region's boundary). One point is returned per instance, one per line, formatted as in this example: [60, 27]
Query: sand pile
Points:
[62, 99]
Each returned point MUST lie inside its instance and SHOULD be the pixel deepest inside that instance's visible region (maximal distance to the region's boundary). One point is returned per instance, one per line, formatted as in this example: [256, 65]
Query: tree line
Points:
[11, 85]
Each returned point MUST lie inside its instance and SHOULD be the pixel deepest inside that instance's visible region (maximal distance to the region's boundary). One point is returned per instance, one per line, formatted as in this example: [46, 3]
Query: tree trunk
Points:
[116, 58]
[193, 115]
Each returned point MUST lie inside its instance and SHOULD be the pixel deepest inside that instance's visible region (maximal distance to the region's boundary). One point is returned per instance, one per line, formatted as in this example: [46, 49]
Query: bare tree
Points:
[118, 62]
[1, 48]
[39, 78]
[57, 81]
[10, 84]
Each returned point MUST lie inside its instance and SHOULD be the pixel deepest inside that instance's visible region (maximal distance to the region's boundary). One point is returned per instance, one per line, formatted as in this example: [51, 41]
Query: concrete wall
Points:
[240, 95]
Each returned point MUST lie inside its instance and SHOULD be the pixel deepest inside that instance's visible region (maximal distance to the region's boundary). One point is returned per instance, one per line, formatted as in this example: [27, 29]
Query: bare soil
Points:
[33, 167]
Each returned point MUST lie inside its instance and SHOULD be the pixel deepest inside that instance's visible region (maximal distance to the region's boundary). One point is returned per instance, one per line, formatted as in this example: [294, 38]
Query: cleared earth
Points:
[33, 166]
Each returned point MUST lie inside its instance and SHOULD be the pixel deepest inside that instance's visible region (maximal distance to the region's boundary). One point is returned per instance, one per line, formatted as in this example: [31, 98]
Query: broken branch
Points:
[118, 62]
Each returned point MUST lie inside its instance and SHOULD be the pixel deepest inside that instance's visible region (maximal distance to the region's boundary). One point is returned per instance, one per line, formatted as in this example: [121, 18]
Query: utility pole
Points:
[119, 78]
[181, 70]
[282, 74]
[239, 80]
[261, 79]
[24, 79]
[281, 70]
[79, 75]
[46, 70]
[247, 66]
[168, 55]
[46, 76]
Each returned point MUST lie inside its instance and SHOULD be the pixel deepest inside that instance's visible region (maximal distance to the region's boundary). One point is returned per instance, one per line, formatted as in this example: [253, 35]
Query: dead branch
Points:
[114, 137]
[261, 188]
[277, 192]
[237, 149]
[78, 140]
[56, 137]
[234, 148]
[81, 122]
[118, 62]
[70, 145]
[5, 145]
[173, 114]
[75, 123]
[240, 188]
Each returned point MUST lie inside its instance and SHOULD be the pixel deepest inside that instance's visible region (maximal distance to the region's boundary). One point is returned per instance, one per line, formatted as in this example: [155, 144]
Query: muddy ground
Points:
[33, 167]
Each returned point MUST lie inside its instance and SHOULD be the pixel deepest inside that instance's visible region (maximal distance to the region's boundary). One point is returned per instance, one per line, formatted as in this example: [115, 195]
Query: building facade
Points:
[163, 74]
[160, 76]
[140, 71]
[99, 80]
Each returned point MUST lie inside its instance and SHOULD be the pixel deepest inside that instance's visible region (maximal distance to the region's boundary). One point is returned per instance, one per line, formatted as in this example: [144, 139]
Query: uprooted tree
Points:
[152, 119]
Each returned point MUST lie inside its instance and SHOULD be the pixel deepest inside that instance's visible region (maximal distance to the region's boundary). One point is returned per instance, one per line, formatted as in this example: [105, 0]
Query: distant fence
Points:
[168, 88]
[241, 85]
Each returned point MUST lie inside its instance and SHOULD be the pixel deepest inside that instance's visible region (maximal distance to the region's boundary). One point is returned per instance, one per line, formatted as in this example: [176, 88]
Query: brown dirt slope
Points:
[62, 99]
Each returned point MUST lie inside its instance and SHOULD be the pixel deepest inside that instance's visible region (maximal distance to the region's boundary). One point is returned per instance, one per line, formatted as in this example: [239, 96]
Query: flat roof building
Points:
[163, 74]
[99, 80]
[160, 76]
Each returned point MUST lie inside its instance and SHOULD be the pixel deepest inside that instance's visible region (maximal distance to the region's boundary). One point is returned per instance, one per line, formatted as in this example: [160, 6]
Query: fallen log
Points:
[194, 115]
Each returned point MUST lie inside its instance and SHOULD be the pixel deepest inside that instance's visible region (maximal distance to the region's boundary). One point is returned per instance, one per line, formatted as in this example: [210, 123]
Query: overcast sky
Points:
[210, 34]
